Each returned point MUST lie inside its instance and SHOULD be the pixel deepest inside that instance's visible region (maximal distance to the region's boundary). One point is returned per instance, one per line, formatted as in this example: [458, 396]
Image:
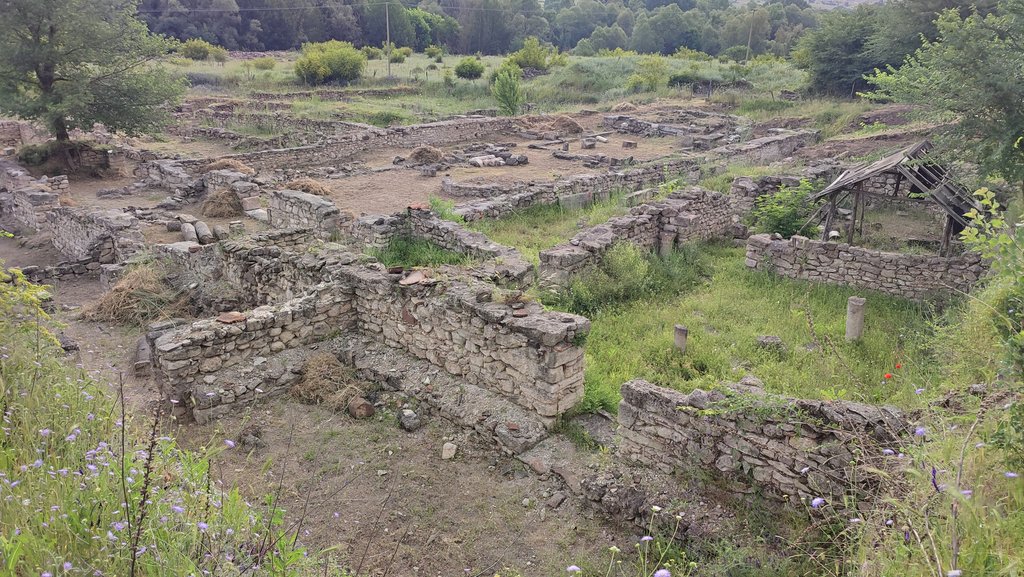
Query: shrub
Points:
[195, 49]
[264, 63]
[385, 118]
[396, 57]
[683, 79]
[434, 51]
[219, 54]
[651, 73]
[786, 211]
[404, 51]
[508, 91]
[469, 68]
[439, 60]
[372, 53]
[331, 61]
[537, 56]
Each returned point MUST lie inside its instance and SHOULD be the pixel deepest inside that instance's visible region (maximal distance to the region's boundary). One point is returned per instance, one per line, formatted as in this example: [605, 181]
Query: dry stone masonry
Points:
[906, 275]
[788, 449]
[104, 237]
[294, 209]
[694, 214]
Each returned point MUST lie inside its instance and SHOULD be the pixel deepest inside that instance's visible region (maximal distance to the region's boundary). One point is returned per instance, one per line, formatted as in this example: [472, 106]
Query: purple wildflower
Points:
[44, 432]
[888, 452]
[46, 574]
[967, 493]
[817, 502]
[954, 573]
[573, 569]
[229, 443]
[646, 538]
[918, 391]
[920, 432]
[202, 526]
[935, 481]
[178, 509]
[662, 573]
[67, 565]
[888, 522]
[804, 470]
[1010, 475]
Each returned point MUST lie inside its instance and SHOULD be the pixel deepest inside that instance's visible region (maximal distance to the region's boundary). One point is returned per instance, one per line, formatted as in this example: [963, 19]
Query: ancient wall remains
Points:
[187, 358]
[694, 214]
[30, 204]
[907, 275]
[528, 354]
[788, 449]
[108, 236]
[780, 144]
[294, 209]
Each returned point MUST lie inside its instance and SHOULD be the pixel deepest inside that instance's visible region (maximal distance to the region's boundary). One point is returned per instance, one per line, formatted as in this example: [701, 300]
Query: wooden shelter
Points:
[901, 174]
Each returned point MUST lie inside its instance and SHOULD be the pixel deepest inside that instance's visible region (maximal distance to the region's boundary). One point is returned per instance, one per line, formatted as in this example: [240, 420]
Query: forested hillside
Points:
[882, 34]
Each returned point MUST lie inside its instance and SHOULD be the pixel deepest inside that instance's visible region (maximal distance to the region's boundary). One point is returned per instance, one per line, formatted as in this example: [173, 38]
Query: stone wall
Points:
[509, 204]
[108, 236]
[907, 275]
[788, 449]
[30, 204]
[294, 209]
[780, 144]
[189, 357]
[376, 232]
[694, 214]
[526, 354]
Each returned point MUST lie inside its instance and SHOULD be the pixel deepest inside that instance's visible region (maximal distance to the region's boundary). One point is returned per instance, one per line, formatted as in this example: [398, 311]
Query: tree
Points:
[974, 74]
[508, 91]
[332, 61]
[469, 68]
[72, 63]
[836, 55]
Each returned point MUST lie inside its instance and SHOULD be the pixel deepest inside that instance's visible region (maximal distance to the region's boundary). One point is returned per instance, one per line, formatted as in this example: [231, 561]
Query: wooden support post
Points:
[853, 221]
[829, 215]
[947, 235]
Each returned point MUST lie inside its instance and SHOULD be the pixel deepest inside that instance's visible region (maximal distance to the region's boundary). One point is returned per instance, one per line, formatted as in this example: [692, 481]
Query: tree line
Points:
[489, 26]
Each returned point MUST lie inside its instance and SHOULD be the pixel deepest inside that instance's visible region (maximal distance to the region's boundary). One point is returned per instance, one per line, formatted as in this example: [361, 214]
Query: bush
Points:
[627, 273]
[385, 118]
[372, 53]
[434, 51]
[404, 51]
[786, 211]
[264, 63]
[469, 68]
[445, 209]
[396, 57]
[195, 49]
[684, 79]
[651, 73]
[218, 54]
[536, 56]
[331, 61]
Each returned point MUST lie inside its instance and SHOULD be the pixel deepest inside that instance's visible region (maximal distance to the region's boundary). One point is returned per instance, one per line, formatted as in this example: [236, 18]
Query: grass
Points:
[70, 460]
[409, 252]
[541, 227]
[722, 180]
[735, 306]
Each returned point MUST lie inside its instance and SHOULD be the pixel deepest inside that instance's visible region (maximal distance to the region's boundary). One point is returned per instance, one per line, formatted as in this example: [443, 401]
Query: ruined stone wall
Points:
[10, 134]
[528, 355]
[777, 146]
[30, 204]
[187, 359]
[108, 236]
[694, 214]
[294, 209]
[171, 175]
[906, 275]
[788, 449]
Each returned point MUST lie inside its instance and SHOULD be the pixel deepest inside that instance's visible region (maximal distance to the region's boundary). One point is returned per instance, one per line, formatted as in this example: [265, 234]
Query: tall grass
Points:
[725, 316]
[541, 227]
[88, 490]
[411, 252]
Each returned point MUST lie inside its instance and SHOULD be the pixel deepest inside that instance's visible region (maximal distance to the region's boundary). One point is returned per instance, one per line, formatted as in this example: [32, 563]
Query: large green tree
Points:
[72, 63]
[973, 74]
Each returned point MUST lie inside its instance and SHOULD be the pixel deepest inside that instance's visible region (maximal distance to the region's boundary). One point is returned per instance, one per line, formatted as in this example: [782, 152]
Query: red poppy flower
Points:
[899, 366]
[888, 375]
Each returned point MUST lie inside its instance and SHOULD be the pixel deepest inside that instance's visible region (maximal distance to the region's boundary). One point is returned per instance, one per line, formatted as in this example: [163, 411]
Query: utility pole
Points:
[387, 25]
[750, 35]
